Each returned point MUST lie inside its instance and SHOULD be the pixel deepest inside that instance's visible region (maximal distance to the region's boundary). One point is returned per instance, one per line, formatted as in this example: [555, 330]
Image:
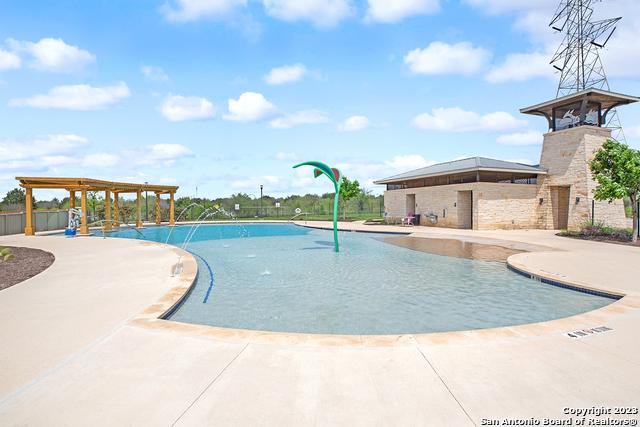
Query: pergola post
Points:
[72, 199]
[28, 208]
[84, 226]
[116, 213]
[138, 209]
[158, 218]
[107, 210]
[172, 207]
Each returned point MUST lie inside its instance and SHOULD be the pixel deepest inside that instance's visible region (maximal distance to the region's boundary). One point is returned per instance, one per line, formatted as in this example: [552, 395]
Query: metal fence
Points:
[14, 223]
[286, 212]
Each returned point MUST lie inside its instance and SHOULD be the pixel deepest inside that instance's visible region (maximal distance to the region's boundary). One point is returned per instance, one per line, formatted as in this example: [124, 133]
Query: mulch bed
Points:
[27, 263]
[600, 239]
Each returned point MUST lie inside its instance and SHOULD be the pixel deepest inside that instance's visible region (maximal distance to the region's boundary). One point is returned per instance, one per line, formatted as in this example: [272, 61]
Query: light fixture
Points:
[577, 200]
[541, 200]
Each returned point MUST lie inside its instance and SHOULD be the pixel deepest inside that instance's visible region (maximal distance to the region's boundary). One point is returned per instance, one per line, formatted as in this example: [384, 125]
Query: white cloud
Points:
[286, 74]
[366, 173]
[55, 55]
[286, 156]
[176, 108]
[255, 182]
[163, 154]
[307, 117]
[501, 6]
[100, 160]
[76, 97]
[520, 67]
[444, 58]
[530, 137]
[250, 107]
[393, 11]
[192, 10]
[40, 153]
[321, 13]
[154, 74]
[408, 162]
[621, 58]
[354, 123]
[458, 120]
[9, 60]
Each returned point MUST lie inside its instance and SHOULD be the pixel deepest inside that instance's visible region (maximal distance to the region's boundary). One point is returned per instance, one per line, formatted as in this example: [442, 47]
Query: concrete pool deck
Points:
[82, 345]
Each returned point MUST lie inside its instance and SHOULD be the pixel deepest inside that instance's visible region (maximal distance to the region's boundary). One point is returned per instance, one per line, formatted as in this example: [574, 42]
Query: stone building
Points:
[480, 193]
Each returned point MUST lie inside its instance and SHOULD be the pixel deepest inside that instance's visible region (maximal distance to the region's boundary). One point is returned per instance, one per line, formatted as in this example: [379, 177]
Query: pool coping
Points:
[155, 316]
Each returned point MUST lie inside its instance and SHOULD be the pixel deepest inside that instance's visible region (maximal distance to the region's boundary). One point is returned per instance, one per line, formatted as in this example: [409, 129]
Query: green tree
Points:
[16, 196]
[616, 169]
[348, 190]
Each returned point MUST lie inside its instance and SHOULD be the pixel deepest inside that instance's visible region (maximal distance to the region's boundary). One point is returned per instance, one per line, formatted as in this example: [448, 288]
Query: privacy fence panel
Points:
[14, 223]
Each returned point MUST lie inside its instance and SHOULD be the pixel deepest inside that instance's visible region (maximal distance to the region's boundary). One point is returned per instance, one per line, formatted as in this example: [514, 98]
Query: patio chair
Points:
[408, 220]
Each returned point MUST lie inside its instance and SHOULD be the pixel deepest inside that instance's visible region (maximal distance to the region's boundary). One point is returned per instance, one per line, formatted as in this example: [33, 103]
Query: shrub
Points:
[601, 231]
[6, 254]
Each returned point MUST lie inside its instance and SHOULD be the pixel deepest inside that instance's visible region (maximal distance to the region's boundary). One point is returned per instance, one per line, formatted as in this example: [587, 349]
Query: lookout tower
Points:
[576, 131]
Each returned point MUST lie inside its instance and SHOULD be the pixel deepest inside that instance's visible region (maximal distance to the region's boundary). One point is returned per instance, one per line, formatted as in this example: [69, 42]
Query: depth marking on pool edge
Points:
[581, 333]
[206, 296]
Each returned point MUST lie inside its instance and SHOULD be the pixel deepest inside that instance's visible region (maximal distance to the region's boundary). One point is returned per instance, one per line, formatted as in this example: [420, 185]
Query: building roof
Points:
[607, 100]
[464, 165]
[89, 184]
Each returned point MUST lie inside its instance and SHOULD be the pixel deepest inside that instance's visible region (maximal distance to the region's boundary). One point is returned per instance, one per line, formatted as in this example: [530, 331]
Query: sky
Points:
[223, 96]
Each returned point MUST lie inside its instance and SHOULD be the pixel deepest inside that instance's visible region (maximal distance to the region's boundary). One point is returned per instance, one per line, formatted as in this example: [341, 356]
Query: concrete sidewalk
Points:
[79, 348]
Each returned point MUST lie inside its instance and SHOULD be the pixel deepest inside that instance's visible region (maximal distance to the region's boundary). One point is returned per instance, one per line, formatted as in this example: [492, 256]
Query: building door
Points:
[464, 205]
[410, 207]
[560, 205]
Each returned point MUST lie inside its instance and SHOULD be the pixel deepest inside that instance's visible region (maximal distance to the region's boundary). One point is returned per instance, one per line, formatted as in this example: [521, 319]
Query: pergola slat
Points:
[88, 184]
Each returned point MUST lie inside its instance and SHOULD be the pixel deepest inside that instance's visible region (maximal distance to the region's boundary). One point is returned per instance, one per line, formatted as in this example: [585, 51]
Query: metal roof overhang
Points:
[409, 178]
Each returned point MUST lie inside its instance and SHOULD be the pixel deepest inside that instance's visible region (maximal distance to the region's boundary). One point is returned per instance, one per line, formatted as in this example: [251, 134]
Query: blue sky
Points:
[226, 95]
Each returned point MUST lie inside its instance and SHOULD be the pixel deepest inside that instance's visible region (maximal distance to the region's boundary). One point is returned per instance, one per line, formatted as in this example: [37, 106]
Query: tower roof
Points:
[606, 99]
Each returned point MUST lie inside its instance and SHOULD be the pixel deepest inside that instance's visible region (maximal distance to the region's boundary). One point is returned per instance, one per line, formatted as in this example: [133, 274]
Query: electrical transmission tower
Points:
[578, 56]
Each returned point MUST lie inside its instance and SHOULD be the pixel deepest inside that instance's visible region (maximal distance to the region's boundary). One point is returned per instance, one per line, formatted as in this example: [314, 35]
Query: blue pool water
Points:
[281, 277]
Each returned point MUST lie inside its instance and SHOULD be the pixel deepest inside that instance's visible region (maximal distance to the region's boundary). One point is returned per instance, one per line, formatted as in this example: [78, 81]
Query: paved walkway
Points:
[81, 346]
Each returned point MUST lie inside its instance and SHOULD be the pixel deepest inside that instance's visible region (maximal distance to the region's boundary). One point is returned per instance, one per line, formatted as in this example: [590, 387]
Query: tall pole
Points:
[261, 214]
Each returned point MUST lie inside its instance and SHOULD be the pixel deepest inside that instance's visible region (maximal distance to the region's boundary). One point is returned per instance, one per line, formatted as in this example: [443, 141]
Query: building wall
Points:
[495, 206]
[566, 155]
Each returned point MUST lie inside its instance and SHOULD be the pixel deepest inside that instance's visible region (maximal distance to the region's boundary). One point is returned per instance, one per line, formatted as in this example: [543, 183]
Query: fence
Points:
[317, 211]
[14, 223]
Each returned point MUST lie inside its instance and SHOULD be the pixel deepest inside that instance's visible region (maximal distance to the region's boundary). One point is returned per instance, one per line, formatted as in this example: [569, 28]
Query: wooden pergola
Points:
[73, 185]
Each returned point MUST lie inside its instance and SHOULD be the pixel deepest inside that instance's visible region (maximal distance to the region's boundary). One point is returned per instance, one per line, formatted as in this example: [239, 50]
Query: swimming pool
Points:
[282, 277]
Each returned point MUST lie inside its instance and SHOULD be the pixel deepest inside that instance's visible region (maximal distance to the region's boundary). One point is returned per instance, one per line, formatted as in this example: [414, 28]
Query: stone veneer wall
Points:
[495, 206]
[566, 155]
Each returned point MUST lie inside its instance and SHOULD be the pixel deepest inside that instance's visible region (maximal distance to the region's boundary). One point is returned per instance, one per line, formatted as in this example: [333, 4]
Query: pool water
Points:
[282, 277]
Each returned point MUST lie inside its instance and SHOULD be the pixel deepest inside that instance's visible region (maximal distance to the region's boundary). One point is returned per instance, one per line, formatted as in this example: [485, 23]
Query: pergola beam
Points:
[72, 185]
